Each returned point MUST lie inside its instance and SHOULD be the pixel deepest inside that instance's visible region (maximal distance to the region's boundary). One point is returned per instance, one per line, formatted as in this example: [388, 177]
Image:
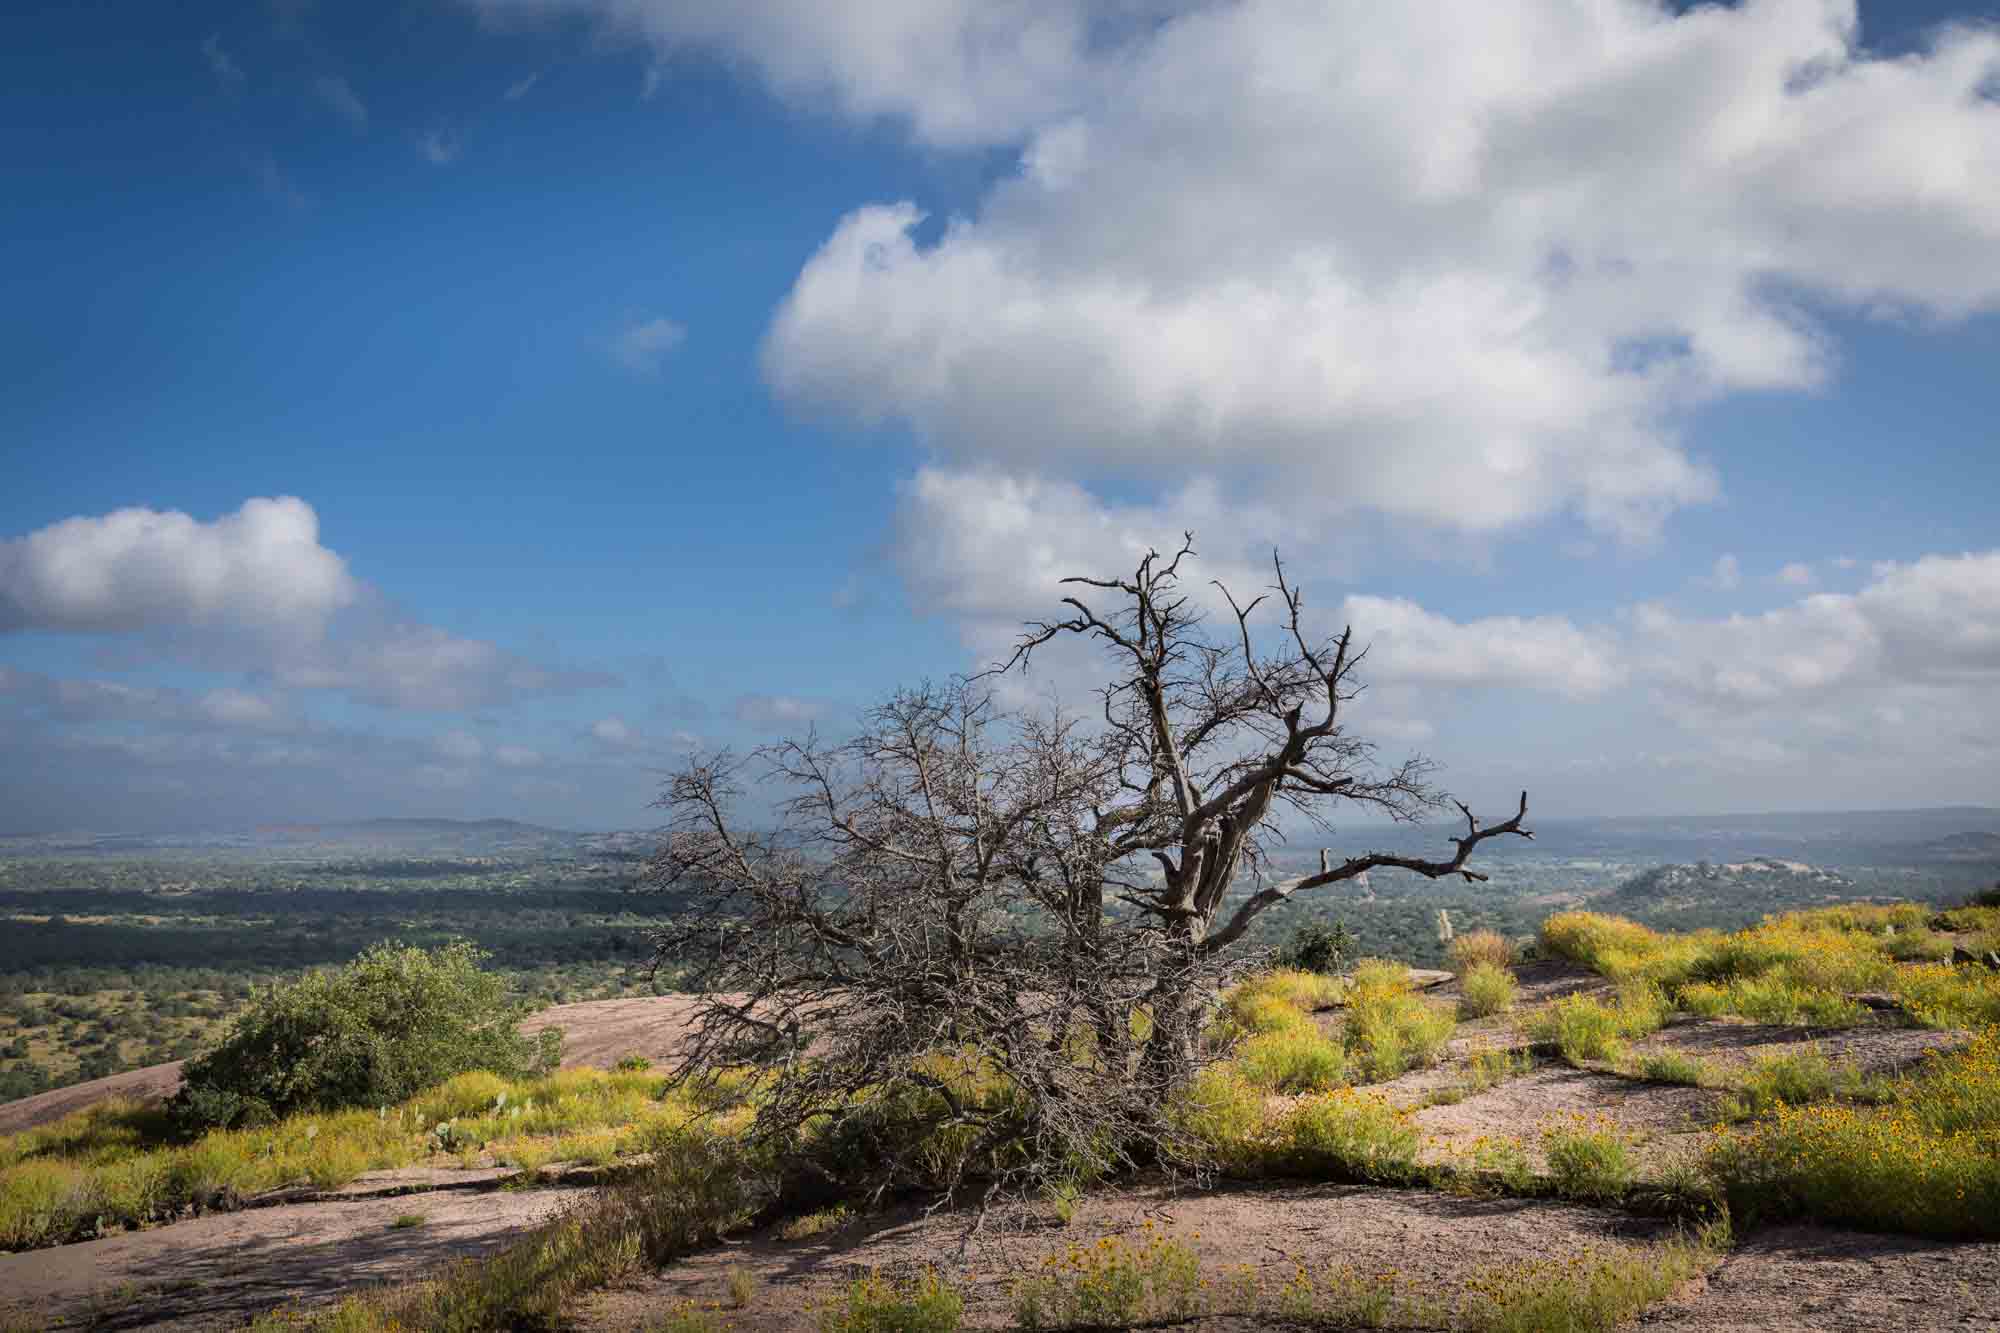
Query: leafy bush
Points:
[394, 1021]
[1317, 947]
[1488, 988]
[1600, 1289]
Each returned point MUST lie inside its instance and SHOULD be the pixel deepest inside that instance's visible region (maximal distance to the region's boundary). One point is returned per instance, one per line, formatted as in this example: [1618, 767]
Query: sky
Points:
[471, 408]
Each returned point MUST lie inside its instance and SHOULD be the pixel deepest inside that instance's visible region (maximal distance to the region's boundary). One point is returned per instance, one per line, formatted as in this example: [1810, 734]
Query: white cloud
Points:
[651, 83]
[1796, 575]
[1728, 573]
[517, 756]
[439, 147]
[643, 347]
[254, 591]
[615, 732]
[1934, 623]
[1545, 234]
[1409, 645]
[226, 71]
[774, 711]
[261, 567]
[342, 100]
[991, 546]
[522, 87]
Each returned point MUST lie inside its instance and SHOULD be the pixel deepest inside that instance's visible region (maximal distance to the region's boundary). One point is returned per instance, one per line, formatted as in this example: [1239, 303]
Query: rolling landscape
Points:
[903, 666]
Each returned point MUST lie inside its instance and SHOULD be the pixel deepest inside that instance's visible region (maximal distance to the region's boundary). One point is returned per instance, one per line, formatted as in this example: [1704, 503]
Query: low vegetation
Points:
[1288, 1057]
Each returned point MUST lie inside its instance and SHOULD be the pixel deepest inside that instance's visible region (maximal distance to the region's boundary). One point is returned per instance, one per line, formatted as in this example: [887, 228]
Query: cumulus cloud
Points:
[254, 591]
[1931, 623]
[1409, 645]
[262, 567]
[1544, 236]
[342, 100]
[643, 347]
[522, 87]
[1796, 574]
[1728, 573]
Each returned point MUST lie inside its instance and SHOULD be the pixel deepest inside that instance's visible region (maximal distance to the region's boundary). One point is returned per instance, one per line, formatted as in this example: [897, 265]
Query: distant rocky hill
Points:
[1758, 879]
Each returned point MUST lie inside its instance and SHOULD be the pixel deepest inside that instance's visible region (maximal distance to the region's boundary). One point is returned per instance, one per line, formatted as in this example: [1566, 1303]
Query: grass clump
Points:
[1798, 1078]
[1581, 1028]
[822, 1223]
[1672, 1067]
[1112, 1284]
[1390, 1029]
[1592, 1292]
[1589, 1160]
[874, 1304]
[1292, 1061]
[1480, 946]
[1486, 988]
[1349, 1135]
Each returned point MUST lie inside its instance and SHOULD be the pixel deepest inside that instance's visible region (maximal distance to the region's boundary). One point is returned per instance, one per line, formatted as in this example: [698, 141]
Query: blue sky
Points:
[465, 408]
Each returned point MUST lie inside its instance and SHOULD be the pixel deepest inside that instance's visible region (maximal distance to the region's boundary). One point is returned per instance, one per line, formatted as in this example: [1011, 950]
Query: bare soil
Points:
[1664, 1120]
[1808, 1279]
[219, 1270]
[1734, 1045]
[1429, 1243]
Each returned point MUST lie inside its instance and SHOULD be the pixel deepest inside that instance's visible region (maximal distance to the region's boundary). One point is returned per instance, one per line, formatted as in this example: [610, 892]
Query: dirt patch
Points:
[1431, 1241]
[1807, 1279]
[218, 1270]
[1665, 1119]
[1735, 1045]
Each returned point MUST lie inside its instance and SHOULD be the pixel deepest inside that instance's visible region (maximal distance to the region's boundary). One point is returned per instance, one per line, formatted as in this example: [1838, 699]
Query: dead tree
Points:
[1211, 737]
[941, 944]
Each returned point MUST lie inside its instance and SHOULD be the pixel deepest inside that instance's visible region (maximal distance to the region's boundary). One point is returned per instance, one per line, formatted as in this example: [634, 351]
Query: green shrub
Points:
[391, 1023]
[1487, 989]
[1317, 947]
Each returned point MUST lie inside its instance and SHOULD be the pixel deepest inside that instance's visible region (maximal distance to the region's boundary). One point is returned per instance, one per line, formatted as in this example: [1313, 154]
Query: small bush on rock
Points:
[391, 1023]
